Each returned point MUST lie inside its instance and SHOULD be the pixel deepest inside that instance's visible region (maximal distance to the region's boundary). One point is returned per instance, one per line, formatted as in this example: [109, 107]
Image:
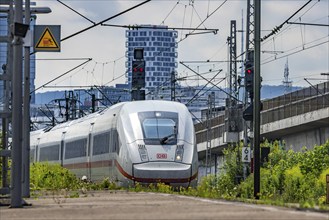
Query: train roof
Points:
[152, 105]
[129, 107]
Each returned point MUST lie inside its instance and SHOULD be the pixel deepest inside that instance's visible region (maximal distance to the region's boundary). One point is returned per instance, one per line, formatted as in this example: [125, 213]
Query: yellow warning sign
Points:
[47, 41]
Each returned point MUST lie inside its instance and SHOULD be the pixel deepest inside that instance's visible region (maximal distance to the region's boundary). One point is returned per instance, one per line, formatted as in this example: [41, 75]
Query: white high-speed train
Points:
[141, 141]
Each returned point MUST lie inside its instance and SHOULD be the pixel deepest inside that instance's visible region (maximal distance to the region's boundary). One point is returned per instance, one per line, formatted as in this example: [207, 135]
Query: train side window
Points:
[50, 153]
[111, 142]
[76, 148]
[115, 141]
[101, 143]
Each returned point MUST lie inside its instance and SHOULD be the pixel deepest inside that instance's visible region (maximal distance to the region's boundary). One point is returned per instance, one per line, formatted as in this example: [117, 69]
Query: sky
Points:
[304, 47]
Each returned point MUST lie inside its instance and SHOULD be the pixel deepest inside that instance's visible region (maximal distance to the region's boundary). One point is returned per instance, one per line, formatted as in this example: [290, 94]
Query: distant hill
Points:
[267, 92]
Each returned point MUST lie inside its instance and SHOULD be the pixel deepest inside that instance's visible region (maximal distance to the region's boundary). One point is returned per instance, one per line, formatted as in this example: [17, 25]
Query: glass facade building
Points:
[4, 59]
[3, 54]
[160, 56]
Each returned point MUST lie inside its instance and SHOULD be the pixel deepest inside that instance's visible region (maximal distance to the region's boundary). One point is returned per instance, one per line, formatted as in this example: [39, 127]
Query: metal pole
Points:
[208, 140]
[7, 93]
[249, 57]
[26, 112]
[245, 101]
[16, 168]
[173, 82]
[256, 110]
[67, 114]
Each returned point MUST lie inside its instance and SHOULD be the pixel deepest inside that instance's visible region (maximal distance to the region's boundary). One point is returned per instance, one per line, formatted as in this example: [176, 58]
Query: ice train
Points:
[142, 141]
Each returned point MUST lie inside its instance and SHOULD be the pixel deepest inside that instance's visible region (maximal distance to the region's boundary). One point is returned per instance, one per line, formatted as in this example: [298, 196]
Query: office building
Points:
[160, 56]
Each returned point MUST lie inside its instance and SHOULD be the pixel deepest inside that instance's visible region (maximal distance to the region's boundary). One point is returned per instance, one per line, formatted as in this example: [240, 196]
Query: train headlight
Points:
[143, 152]
[179, 153]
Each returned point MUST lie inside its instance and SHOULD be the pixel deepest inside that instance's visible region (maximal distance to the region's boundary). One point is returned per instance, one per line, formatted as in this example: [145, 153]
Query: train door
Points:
[89, 150]
[36, 153]
[62, 147]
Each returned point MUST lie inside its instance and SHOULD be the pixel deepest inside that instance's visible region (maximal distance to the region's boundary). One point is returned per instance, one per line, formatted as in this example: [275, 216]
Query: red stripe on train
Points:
[85, 165]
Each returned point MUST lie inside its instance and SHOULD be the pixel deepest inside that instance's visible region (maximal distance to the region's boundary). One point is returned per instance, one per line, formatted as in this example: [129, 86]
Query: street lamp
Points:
[33, 10]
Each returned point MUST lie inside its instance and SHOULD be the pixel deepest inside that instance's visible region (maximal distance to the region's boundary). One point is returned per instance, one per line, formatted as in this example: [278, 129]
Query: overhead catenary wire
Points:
[102, 23]
[316, 89]
[303, 49]
[100, 90]
[60, 76]
[170, 12]
[196, 12]
[183, 20]
[175, 6]
[105, 20]
[76, 12]
[212, 83]
[277, 28]
[311, 24]
[204, 20]
[159, 27]
[102, 68]
[283, 31]
[197, 94]
[63, 59]
[148, 27]
[185, 77]
[159, 52]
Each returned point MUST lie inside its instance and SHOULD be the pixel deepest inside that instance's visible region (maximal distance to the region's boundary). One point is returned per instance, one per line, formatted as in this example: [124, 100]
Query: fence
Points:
[296, 103]
[281, 107]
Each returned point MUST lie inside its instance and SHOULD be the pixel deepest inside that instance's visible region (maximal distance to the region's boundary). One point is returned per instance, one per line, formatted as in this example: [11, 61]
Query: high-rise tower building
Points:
[160, 56]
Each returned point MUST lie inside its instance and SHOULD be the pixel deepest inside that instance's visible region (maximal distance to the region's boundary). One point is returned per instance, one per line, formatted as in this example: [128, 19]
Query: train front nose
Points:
[165, 172]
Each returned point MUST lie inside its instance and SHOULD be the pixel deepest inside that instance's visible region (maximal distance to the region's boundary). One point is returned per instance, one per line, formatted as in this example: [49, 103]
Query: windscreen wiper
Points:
[165, 139]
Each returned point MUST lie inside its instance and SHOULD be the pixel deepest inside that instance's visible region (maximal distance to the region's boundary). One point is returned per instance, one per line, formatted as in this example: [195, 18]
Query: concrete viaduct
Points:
[300, 118]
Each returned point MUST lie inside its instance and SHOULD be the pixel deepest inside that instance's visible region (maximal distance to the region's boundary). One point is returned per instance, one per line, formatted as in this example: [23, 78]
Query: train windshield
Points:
[159, 127]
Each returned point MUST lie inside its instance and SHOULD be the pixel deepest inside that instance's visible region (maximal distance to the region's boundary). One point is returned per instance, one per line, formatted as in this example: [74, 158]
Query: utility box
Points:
[327, 178]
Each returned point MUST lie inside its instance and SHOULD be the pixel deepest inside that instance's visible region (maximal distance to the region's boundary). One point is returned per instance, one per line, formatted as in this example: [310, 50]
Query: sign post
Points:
[246, 154]
[327, 179]
[47, 38]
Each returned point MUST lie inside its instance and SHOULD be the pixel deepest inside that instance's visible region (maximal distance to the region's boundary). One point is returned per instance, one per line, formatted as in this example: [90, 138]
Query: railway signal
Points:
[249, 76]
[138, 74]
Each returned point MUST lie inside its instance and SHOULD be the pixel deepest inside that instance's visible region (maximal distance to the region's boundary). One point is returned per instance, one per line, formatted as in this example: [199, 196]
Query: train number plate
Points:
[161, 156]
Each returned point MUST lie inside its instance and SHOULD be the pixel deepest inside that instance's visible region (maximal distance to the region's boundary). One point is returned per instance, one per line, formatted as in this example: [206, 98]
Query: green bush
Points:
[164, 188]
[106, 183]
[293, 185]
[207, 187]
[316, 160]
[270, 184]
[52, 177]
[286, 177]
[320, 187]
[246, 188]
[226, 187]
